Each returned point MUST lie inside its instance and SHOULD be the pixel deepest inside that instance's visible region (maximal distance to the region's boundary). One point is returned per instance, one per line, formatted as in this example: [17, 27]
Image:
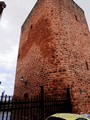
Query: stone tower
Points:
[54, 51]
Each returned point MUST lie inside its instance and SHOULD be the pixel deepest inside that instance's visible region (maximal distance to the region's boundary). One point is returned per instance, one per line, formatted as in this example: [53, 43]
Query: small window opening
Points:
[51, 10]
[87, 65]
[31, 26]
[26, 96]
[76, 18]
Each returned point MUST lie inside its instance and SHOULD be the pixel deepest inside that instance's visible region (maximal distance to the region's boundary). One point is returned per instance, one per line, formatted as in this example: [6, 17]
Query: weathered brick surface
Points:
[54, 51]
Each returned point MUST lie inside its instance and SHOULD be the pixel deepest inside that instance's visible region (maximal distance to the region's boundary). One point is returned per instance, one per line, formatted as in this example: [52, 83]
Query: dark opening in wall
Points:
[87, 65]
[26, 96]
[76, 18]
[31, 26]
[52, 12]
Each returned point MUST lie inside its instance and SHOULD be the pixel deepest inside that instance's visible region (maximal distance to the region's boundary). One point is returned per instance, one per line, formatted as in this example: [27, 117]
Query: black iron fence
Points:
[36, 108]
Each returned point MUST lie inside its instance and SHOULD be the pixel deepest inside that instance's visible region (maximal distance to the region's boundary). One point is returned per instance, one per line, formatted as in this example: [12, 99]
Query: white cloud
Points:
[3, 76]
[7, 83]
[4, 24]
[8, 59]
[2, 87]
[11, 87]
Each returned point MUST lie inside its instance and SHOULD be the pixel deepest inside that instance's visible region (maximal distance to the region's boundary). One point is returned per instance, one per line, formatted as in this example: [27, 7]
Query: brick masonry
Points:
[54, 51]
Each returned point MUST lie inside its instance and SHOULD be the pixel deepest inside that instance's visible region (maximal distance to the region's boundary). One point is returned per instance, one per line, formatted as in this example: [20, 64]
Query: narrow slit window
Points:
[87, 65]
[31, 26]
[76, 18]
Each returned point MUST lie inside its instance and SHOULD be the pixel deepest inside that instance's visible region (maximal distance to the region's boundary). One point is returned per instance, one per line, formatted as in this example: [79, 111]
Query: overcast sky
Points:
[10, 25]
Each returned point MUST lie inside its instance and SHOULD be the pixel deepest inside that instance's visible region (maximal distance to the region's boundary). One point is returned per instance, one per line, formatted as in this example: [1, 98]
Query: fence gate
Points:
[36, 108]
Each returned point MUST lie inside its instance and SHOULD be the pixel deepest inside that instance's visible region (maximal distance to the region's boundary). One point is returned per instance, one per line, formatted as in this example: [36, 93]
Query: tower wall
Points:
[54, 52]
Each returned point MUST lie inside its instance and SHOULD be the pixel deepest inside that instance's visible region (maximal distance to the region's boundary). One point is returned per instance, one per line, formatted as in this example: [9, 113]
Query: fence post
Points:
[69, 100]
[42, 102]
[2, 96]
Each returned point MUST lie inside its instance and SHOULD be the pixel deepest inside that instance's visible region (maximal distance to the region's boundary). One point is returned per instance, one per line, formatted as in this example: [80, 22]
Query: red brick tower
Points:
[54, 51]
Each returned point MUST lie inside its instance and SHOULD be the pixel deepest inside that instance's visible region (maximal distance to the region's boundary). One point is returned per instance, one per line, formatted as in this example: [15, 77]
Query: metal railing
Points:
[36, 108]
